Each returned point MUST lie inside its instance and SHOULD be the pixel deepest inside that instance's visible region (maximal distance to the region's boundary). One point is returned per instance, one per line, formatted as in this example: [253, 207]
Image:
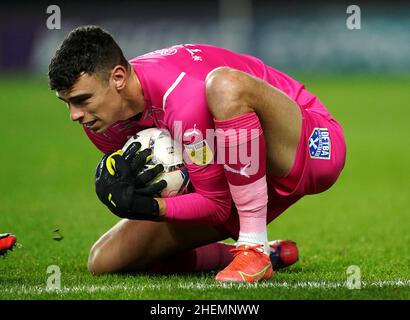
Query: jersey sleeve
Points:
[189, 120]
[117, 135]
[102, 142]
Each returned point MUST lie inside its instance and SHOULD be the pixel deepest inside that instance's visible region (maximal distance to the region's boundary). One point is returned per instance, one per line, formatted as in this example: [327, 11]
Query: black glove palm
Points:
[122, 190]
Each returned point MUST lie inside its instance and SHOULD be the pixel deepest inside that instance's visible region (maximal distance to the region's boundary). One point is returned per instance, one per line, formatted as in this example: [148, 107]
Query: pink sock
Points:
[241, 147]
[214, 256]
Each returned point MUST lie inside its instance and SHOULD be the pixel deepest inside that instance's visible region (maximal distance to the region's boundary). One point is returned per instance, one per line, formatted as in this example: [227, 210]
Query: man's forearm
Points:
[194, 208]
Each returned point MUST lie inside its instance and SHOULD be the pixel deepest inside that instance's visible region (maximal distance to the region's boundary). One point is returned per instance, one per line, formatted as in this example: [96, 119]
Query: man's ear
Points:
[119, 76]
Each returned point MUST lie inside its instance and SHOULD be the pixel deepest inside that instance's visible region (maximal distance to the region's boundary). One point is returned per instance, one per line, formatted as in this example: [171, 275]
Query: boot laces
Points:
[247, 248]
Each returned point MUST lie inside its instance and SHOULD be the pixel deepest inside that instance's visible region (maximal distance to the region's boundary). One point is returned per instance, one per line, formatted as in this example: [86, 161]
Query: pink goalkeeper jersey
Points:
[173, 82]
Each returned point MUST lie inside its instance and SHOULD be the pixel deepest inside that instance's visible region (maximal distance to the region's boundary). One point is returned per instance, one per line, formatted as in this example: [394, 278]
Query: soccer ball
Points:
[169, 154]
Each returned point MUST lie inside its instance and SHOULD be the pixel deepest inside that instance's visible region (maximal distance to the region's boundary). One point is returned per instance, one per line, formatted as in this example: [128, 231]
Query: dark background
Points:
[292, 35]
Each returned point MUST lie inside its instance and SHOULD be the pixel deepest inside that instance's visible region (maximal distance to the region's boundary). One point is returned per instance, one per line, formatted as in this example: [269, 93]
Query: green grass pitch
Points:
[46, 182]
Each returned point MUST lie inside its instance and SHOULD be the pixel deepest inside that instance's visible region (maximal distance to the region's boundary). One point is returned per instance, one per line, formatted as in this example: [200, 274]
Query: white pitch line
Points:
[325, 285]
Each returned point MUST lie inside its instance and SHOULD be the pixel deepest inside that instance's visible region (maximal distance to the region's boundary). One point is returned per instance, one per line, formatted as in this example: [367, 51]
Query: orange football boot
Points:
[7, 242]
[250, 264]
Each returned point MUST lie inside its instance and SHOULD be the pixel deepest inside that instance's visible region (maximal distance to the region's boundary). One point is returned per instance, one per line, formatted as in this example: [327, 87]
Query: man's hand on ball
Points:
[124, 192]
[137, 160]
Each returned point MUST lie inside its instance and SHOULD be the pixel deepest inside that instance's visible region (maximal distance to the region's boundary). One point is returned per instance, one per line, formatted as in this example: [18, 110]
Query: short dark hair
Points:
[88, 49]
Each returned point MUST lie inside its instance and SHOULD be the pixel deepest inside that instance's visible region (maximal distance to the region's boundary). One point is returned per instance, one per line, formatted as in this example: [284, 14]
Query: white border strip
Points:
[202, 287]
[171, 88]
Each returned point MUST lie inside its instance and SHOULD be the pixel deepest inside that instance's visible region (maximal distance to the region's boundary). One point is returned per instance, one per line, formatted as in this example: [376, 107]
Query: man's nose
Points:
[76, 113]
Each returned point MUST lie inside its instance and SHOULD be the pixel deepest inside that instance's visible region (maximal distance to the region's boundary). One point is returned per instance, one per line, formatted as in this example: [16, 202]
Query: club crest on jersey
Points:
[319, 144]
[199, 152]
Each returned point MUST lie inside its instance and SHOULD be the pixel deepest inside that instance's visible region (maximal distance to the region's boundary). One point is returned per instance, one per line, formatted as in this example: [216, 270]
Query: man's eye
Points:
[81, 101]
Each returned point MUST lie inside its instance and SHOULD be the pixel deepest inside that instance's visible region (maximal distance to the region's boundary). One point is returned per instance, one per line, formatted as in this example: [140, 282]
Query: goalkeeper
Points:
[293, 147]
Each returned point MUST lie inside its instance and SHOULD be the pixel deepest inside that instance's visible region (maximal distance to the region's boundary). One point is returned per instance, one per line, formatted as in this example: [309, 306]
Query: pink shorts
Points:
[319, 160]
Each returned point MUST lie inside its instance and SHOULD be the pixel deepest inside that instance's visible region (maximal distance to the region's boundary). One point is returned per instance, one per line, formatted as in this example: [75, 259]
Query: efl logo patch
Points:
[319, 144]
[199, 153]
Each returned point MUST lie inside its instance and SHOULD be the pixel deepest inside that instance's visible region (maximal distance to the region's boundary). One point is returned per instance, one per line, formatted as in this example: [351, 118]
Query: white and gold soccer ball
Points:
[168, 153]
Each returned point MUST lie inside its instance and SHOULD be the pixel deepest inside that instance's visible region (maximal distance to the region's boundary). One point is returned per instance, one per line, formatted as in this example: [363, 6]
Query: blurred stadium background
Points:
[363, 76]
[299, 35]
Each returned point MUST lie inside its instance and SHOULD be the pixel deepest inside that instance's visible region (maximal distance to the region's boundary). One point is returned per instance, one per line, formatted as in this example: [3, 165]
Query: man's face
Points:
[93, 102]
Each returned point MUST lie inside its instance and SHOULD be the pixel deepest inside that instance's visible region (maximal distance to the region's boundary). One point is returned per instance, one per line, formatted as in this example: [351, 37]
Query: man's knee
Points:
[98, 261]
[110, 254]
[225, 93]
